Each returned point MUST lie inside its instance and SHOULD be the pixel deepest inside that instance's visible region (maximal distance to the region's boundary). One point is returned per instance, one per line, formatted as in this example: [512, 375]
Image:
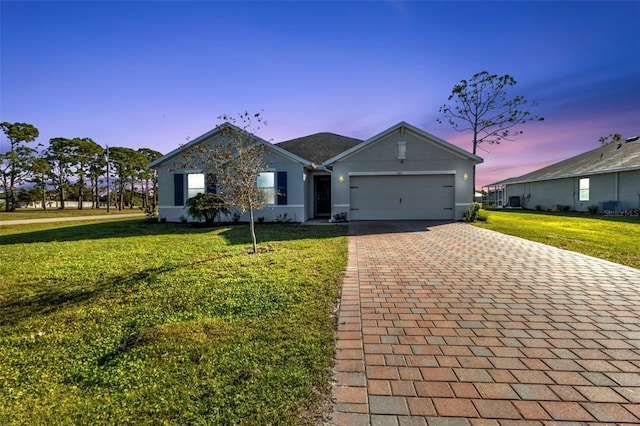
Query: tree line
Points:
[76, 169]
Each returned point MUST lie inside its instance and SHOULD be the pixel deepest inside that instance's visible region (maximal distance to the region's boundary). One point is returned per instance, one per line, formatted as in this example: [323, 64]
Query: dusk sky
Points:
[152, 74]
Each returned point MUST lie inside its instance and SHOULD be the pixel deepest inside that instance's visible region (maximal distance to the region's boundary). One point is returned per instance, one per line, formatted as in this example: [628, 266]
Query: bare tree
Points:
[484, 106]
[233, 164]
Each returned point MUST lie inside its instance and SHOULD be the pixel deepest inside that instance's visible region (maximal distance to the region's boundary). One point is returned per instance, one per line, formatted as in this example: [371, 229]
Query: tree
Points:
[60, 156]
[96, 171]
[236, 160]
[613, 137]
[484, 106]
[149, 176]
[84, 152]
[40, 171]
[127, 165]
[15, 162]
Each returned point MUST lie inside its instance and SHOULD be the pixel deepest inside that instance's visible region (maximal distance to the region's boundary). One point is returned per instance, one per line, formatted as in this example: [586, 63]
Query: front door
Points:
[322, 186]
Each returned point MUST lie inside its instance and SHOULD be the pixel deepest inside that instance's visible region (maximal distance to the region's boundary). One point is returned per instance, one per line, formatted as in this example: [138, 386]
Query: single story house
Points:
[400, 173]
[607, 177]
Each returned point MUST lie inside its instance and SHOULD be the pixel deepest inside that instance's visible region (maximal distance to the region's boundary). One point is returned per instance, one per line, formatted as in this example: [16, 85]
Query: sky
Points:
[156, 73]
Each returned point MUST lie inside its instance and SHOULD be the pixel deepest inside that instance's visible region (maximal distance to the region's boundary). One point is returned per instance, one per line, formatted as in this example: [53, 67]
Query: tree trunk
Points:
[145, 199]
[61, 193]
[7, 201]
[131, 205]
[80, 195]
[252, 228]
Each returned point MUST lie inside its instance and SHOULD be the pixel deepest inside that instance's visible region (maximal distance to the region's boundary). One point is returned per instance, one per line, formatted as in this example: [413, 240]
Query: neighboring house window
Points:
[266, 183]
[195, 184]
[584, 189]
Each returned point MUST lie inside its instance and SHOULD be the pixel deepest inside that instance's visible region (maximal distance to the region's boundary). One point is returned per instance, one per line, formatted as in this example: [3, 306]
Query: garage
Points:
[402, 197]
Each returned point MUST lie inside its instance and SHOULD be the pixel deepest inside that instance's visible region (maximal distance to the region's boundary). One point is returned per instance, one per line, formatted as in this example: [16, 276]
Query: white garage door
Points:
[402, 197]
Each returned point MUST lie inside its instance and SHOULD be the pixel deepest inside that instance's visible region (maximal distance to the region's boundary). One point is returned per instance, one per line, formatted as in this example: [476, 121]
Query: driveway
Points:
[451, 324]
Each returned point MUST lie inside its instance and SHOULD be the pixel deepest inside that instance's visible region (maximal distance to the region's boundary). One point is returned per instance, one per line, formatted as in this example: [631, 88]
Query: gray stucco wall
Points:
[422, 156]
[276, 162]
[623, 187]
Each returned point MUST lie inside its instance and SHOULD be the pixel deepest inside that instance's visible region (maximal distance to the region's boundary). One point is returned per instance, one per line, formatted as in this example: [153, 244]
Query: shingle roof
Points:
[613, 157]
[319, 147]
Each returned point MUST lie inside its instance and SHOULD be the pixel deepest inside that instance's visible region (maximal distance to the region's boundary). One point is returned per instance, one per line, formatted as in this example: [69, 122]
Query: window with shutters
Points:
[195, 184]
[267, 184]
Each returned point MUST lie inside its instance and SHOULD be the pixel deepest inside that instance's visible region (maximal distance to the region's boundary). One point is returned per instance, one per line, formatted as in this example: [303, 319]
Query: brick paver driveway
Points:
[450, 324]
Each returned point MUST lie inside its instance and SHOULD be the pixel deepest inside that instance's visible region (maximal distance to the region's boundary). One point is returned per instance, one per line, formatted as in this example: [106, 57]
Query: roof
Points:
[408, 127]
[319, 147]
[610, 158]
[211, 133]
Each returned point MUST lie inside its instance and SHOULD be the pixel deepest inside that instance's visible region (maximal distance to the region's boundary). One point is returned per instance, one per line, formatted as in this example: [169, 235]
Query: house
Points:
[400, 173]
[607, 177]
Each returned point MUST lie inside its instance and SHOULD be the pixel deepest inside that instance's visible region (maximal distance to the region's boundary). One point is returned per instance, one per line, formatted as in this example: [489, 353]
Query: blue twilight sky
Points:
[153, 73]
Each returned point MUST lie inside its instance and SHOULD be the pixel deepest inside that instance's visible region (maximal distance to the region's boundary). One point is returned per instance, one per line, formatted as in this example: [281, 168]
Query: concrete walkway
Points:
[451, 324]
[70, 219]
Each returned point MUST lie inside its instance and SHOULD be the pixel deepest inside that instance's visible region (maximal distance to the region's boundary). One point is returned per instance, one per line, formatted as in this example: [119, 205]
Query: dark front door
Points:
[323, 195]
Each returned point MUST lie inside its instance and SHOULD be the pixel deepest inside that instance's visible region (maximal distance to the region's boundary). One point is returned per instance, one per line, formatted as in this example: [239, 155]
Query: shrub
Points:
[283, 218]
[339, 217]
[471, 214]
[151, 213]
[483, 215]
[593, 209]
[206, 207]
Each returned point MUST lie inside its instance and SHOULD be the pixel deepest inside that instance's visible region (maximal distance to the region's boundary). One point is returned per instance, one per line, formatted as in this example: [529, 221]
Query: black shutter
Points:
[282, 188]
[211, 183]
[178, 189]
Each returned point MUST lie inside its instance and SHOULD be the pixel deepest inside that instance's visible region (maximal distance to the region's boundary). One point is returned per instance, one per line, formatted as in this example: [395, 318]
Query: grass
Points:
[614, 238]
[21, 214]
[127, 322]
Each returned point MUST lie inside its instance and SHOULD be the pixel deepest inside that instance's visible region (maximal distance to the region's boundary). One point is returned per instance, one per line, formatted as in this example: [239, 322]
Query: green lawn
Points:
[612, 238]
[128, 322]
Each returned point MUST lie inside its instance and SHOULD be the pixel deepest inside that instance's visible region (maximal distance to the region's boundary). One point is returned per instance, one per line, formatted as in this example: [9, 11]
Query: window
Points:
[584, 189]
[266, 183]
[195, 184]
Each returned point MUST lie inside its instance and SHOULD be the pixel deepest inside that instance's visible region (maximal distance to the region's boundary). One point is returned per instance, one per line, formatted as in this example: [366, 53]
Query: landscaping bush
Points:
[483, 215]
[593, 209]
[471, 215]
[207, 207]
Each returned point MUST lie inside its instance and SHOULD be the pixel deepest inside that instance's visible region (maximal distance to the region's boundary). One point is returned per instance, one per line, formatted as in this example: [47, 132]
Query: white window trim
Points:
[269, 191]
[584, 192]
[192, 191]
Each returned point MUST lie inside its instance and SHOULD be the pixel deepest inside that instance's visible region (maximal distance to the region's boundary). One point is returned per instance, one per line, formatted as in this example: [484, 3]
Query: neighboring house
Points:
[607, 177]
[401, 173]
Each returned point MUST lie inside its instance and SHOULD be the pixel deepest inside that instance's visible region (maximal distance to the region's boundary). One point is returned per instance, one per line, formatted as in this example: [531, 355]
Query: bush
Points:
[206, 207]
[282, 218]
[593, 209]
[471, 215]
[236, 217]
[151, 214]
[483, 215]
